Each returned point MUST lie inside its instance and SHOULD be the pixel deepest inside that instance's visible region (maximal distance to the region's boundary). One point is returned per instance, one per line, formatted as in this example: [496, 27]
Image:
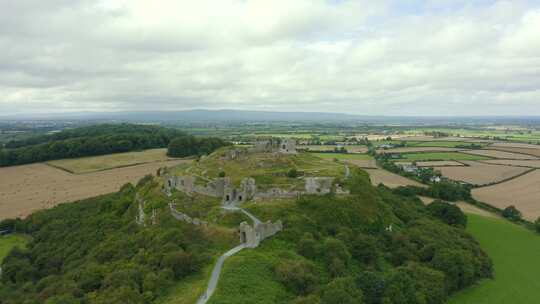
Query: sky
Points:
[385, 57]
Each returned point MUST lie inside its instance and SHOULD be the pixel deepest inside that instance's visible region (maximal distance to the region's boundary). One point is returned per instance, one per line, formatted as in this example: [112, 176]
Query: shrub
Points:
[292, 173]
[448, 213]
[297, 276]
[511, 213]
[342, 291]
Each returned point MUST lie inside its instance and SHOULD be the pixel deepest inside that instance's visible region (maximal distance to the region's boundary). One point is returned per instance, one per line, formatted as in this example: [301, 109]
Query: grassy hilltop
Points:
[372, 246]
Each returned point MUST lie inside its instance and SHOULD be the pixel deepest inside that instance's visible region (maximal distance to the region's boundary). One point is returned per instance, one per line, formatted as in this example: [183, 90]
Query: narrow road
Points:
[214, 278]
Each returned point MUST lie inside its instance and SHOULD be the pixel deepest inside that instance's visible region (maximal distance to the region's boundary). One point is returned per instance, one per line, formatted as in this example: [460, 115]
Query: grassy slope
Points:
[97, 163]
[514, 251]
[9, 242]
[441, 156]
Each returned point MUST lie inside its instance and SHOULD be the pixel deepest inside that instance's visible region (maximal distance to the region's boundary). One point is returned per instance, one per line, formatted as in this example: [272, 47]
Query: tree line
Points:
[101, 140]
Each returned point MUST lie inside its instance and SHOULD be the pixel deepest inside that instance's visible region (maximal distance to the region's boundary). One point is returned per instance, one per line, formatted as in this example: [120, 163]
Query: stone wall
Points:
[186, 218]
[319, 185]
[253, 236]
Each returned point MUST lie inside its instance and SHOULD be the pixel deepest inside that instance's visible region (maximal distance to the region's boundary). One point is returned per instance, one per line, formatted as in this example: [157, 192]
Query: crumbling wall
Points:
[318, 185]
[186, 218]
[253, 236]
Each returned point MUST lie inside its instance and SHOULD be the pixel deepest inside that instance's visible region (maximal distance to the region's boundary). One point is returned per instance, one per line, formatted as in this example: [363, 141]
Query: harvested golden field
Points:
[441, 163]
[528, 151]
[104, 162]
[515, 145]
[390, 179]
[433, 163]
[500, 154]
[477, 173]
[363, 163]
[513, 162]
[24, 189]
[465, 207]
[522, 192]
[419, 149]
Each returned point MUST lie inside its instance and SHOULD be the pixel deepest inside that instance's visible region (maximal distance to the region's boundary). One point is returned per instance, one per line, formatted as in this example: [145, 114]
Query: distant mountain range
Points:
[193, 116]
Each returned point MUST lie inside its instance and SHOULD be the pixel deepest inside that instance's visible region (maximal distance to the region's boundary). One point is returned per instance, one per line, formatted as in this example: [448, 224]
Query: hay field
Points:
[104, 162]
[500, 154]
[390, 179]
[514, 162]
[24, 189]
[522, 192]
[477, 173]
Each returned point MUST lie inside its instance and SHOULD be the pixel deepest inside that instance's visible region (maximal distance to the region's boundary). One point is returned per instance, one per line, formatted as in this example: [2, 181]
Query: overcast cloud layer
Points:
[438, 57]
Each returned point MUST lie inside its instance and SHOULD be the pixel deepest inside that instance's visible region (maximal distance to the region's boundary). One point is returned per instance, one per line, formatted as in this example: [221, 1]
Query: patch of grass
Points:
[248, 277]
[110, 161]
[10, 241]
[514, 251]
[440, 156]
[188, 290]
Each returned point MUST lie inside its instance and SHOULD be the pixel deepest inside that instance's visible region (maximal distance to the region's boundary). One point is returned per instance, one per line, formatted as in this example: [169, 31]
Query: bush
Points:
[448, 213]
[297, 276]
[511, 213]
[342, 291]
[292, 173]
[537, 224]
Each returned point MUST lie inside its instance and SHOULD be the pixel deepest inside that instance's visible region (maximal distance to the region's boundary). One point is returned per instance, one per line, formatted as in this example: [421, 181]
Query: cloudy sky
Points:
[395, 57]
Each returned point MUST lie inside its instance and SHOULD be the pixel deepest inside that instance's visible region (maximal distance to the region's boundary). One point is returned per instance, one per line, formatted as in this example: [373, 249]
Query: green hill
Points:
[371, 246]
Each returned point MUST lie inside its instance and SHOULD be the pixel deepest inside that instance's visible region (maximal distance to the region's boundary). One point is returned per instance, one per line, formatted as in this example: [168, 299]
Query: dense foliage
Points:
[87, 141]
[371, 247]
[94, 252]
[183, 146]
[448, 213]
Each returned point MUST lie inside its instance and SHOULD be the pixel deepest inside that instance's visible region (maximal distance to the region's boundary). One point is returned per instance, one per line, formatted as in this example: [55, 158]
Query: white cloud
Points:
[316, 55]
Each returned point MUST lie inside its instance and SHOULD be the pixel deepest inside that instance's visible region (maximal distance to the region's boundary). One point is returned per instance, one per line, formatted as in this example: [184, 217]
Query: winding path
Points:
[214, 278]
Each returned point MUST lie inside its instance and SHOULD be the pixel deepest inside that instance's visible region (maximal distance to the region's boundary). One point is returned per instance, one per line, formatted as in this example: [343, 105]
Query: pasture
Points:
[514, 251]
[110, 161]
[477, 173]
[522, 192]
[24, 189]
[447, 144]
[343, 156]
[10, 241]
[437, 156]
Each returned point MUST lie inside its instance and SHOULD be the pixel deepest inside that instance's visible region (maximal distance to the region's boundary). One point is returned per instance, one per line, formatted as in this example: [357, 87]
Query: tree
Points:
[537, 224]
[342, 291]
[511, 213]
[292, 173]
[448, 213]
[297, 276]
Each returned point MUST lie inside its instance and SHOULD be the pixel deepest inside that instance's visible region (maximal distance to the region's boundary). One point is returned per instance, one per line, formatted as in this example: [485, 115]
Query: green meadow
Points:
[514, 251]
[10, 241]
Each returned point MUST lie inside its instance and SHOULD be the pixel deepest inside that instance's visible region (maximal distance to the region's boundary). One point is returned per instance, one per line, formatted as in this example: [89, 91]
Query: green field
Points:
[10, 241]
[514, 251]
[341, 156]
[440, 156]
